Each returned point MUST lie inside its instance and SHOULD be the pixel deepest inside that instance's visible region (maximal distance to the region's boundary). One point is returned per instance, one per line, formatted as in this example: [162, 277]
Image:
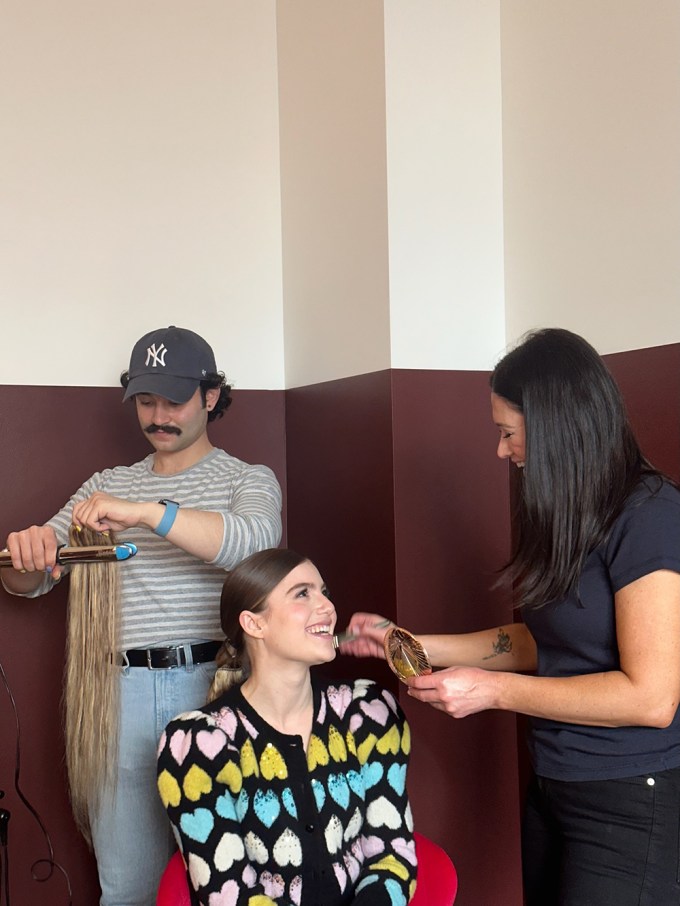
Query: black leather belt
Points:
[166, 658]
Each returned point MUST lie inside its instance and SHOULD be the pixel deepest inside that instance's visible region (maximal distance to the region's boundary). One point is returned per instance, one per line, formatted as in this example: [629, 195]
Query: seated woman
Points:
[286, 789]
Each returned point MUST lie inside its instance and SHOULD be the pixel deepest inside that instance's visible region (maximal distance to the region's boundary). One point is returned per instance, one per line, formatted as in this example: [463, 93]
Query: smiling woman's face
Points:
[510, 423]
[298, 621]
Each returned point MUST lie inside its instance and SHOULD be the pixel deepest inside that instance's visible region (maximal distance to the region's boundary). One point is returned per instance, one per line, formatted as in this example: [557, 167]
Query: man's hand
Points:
[102, 513]
[33, 550]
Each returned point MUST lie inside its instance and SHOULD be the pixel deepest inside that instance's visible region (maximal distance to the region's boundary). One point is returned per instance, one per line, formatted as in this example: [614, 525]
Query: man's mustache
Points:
[166, 429]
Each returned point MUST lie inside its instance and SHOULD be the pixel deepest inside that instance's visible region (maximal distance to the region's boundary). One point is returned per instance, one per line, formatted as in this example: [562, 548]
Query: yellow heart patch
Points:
[336, 745]
[390, 742]
[196, 783]
[317, 753]
[248, 760]
[406, 739]
[389, 863]
[231, 776]
[169, 789]
[272, 763]
[365, 748]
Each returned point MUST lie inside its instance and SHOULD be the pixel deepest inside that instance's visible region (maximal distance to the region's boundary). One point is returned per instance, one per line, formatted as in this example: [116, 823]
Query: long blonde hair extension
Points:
[91, 699]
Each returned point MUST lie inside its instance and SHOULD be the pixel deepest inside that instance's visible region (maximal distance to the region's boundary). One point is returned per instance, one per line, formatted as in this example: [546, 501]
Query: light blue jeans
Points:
[131, 834]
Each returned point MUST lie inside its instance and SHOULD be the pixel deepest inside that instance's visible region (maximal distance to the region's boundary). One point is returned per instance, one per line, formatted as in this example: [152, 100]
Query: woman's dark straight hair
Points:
[582, 460]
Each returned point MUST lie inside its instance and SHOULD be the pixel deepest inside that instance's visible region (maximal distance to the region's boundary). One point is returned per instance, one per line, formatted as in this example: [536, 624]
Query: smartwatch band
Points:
[168, 519]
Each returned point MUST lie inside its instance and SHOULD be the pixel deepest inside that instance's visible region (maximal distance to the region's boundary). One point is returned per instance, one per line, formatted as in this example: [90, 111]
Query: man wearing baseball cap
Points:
[193, 511]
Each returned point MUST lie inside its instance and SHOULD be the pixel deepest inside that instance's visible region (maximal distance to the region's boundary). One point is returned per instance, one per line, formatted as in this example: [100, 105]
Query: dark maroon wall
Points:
[53, 439]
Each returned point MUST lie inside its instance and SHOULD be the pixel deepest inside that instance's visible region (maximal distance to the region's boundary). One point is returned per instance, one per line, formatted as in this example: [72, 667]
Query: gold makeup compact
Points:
[405, 655]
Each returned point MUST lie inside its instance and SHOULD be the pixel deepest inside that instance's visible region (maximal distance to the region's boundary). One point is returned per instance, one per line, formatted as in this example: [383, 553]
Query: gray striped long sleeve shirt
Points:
[167, 594]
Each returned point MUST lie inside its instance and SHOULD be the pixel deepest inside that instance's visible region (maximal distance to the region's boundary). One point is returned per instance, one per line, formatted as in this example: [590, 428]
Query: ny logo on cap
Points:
[157, 355]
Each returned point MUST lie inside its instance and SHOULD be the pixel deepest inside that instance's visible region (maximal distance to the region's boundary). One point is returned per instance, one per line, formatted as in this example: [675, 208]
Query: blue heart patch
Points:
[372, 772]
[339, 790]
[224, 806]
[289, 802]
[396, 777]
[356, 783]
[198, 824]
[266, 806]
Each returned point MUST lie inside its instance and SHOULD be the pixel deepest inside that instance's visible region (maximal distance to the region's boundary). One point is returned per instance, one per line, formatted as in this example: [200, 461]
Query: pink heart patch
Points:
[180, 743]
[272, 885]
[210, 743]
[376, 710]
[227, 896]
[339, 699]
[355, 722]
[225, 719]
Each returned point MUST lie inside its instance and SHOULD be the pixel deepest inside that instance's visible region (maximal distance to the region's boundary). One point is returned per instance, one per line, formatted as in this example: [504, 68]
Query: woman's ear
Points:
[251, 623]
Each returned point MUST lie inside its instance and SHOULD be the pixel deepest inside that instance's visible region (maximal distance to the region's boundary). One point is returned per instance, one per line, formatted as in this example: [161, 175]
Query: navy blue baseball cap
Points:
[169, 362]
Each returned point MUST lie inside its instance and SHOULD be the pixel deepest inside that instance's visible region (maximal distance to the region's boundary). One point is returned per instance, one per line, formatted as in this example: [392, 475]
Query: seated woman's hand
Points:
[369, 631]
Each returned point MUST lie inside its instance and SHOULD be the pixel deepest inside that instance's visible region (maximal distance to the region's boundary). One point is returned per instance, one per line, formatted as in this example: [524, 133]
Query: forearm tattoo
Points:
[502, 645]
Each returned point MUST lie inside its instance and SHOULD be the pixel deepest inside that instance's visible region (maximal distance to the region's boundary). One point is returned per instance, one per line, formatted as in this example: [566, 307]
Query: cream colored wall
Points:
[591, 136]
[139, 171]
[444, 165]
[333, 189]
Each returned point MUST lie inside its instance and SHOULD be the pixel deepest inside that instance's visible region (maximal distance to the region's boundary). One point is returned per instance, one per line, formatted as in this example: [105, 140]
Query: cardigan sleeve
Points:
[199, 781]
[383, 744]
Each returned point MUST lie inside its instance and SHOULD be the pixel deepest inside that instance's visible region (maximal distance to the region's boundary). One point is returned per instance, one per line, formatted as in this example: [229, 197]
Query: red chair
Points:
[437, 878]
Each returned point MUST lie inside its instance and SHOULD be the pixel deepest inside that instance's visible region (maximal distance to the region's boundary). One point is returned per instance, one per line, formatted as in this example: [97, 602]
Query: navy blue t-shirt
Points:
[579, 637]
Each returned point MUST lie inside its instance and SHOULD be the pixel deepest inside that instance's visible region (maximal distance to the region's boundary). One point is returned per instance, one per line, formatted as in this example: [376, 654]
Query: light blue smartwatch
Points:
[168, 519]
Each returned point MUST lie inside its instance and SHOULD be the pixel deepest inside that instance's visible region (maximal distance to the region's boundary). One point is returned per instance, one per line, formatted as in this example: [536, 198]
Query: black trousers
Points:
[603, 842]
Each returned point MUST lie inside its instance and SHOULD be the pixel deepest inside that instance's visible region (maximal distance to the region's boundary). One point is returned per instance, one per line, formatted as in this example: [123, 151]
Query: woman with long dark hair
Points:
[286, 789]
[596, 661]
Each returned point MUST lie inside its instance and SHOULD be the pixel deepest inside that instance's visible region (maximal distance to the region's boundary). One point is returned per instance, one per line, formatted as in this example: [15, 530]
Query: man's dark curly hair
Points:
[213, 381]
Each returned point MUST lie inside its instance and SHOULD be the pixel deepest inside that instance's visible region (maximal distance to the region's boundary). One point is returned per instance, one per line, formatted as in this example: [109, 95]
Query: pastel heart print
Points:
[365, 748]
[196, 783]
[397, 897]
[295, 890]
[355, 722]
[336, 745]
[321, 716]
[354, 826]
[289, 802]
[210, 742]
[249, 876]
[319, 793]
[199, 870]
[408, 818]
[396, 777]
[356, 783]
[249, 764]
[225, 719]
[406, 850]
[272, 763]
[242, 804]
[333, 834]
[389, 863]
[406, 739]
[180, 743]
[390, 742]
[361, 687]
[169, 789]
[231, 776]
[372, 773]
[373, 846]
[224, 806]
[198, 824]
[317, 753]
[252, 732]
[228, 852]
[353, 867]
[287, 849]
[257, 851]
[339, 699]
[339, 789]
[266, 806]
[226, 896]
[381, 813]
[377, 710]
[391, 701]
[340, 876]
[273, 885]
[366, 881]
